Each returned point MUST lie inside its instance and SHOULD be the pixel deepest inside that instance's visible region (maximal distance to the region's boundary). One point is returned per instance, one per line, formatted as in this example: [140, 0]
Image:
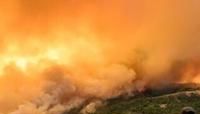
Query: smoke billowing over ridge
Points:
[56, 54]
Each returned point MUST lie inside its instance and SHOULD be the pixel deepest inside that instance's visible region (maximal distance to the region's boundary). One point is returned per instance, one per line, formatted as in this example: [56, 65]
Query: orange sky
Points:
[91, 41]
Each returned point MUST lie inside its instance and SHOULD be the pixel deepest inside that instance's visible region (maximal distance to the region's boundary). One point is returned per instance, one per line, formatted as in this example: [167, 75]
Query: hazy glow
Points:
[57, 53]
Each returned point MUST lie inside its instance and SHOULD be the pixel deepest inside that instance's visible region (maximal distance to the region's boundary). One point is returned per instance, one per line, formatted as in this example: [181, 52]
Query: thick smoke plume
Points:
[59, 54]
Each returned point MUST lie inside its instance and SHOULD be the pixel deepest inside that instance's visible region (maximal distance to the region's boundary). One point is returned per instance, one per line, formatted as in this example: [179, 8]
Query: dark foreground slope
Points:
[166, 104]
[169, 100]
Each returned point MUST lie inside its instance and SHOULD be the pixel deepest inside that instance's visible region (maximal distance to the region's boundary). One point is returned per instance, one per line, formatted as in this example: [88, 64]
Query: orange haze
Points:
[55, 54]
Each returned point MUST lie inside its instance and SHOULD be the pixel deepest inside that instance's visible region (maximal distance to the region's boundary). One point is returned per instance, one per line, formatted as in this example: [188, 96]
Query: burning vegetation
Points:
[60, 54]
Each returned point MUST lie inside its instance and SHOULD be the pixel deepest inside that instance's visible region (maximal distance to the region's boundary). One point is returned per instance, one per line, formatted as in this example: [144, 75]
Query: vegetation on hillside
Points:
[168, 100]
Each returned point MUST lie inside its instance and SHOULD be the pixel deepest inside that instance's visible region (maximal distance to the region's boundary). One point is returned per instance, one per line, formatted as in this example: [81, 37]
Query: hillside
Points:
[169, 100]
